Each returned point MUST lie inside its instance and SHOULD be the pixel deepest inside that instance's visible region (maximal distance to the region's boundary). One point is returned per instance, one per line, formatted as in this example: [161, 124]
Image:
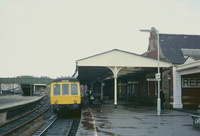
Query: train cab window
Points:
[74, 89]
[65, 89]
[56, 89]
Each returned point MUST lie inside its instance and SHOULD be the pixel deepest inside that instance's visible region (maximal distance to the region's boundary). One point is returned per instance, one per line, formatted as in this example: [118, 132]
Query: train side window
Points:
[74, 89]
[65, 89]
[56, 89]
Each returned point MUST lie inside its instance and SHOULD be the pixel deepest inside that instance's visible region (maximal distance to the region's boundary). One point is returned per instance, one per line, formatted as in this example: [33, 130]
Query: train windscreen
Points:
[56, 88]
[65, 89]
[74, 89]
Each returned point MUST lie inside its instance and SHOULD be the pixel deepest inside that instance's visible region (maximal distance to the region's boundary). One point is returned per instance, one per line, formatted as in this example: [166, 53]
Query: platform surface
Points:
[128, 119]
[8, 101]
[131, 119]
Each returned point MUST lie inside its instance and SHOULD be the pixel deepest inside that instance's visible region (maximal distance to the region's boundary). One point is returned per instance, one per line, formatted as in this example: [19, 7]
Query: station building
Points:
[183, 88]
[122, 75]
[187, 81]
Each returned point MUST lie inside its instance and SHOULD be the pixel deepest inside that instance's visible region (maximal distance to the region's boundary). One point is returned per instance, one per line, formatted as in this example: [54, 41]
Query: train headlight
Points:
[56, 101]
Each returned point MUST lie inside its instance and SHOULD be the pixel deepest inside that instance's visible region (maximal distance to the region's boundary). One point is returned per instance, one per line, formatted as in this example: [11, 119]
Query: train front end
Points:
[65, 95]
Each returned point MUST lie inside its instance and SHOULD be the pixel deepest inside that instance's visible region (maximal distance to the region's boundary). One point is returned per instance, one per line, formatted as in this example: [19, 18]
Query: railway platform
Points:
[9, 101]
[13, 101]
[133, 119]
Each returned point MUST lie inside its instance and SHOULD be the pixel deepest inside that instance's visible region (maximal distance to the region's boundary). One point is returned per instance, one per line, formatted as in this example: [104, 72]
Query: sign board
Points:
[153, 79]
[133, 82]
[157, 75]
[191, 82]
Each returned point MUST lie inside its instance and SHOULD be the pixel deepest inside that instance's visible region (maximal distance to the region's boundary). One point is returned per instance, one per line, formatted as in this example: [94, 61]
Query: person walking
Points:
[162, 97]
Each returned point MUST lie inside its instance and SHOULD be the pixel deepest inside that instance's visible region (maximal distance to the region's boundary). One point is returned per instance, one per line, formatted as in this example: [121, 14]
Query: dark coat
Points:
[162, 96]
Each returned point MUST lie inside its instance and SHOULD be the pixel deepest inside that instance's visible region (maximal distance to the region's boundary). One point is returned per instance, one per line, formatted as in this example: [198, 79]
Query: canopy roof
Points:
[189, 68]
[193, 53]
[97, 67]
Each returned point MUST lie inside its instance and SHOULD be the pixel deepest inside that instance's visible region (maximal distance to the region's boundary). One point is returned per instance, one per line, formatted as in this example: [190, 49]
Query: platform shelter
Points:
[115, 68]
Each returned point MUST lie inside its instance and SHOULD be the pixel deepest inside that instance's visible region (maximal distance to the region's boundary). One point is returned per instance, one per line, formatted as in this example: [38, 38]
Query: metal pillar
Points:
[158, 100]
[158, 74]
[101, 90]
[0, 89]
[115, 93]
[115, 71]
[92, 87]
[31, 90]
[34, 91]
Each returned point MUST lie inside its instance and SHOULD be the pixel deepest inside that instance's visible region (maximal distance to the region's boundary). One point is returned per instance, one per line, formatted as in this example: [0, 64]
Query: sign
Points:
[157, 76]
[191, 82]
[153, 79]
[133, 82]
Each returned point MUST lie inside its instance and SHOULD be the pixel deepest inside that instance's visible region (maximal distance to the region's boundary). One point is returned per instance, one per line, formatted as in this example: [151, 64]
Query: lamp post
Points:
[158, 74]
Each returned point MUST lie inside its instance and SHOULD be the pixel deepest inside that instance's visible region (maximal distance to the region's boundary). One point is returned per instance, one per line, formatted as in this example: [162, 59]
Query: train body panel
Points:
[65, 100]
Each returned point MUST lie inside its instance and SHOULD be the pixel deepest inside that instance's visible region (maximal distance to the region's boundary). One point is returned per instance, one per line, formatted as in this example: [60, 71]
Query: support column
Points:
[0, 89]
[34, 91]
[101, 90]
[115, 93]
[177, 91]
[31, 89]
[92, 87]
[115, 71]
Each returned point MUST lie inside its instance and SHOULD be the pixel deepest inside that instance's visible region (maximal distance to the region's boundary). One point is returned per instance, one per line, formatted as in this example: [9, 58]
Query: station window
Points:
[56, 89]
[65, 89]
[74, 89]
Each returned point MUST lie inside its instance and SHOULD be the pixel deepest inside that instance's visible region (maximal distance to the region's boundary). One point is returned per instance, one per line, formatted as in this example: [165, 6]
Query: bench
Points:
[196, 118]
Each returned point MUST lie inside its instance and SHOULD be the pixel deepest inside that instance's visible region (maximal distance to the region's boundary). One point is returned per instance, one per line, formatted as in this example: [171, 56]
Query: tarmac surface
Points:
[133, 119]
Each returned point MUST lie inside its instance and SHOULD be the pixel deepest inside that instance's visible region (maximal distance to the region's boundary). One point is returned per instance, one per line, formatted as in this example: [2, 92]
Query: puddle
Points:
[187, 125]
[87, 125]
[138, 118]
[108, 133]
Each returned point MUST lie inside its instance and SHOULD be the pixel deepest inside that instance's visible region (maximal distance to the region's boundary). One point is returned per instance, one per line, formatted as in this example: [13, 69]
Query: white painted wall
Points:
[177, 91]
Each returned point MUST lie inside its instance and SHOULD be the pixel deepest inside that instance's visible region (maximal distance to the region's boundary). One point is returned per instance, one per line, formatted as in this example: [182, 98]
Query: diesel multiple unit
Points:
[65, 95]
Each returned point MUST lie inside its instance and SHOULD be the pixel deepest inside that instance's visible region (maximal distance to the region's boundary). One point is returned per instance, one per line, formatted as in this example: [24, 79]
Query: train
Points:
[65, 95]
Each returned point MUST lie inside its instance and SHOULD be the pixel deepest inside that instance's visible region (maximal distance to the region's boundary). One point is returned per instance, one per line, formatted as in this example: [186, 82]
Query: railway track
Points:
[15, 125]
[61, 127]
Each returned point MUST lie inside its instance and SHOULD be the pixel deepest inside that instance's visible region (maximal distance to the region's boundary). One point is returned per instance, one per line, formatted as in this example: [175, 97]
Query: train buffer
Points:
[196, 117]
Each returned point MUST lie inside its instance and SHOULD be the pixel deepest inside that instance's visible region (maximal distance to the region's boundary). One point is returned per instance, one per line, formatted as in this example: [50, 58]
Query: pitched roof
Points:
[171, 45]
[120, 58]
[100, 66]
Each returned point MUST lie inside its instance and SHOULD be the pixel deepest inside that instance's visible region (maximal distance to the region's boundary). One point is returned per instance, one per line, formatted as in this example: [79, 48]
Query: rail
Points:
[20, 122]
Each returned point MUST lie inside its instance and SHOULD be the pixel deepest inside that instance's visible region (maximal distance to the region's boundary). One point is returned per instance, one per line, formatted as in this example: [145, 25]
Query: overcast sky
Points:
[46, 37]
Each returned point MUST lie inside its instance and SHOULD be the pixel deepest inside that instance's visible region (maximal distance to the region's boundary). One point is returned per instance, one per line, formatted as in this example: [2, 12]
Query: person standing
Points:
[90, 98]
[162, 97]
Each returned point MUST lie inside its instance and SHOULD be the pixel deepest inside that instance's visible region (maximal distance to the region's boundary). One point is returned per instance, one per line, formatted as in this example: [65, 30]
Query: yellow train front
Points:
[65, 95]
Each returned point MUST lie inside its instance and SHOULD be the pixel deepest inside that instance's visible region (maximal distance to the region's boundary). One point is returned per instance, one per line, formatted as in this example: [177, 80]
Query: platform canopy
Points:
[100, 66]
[189, 68]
